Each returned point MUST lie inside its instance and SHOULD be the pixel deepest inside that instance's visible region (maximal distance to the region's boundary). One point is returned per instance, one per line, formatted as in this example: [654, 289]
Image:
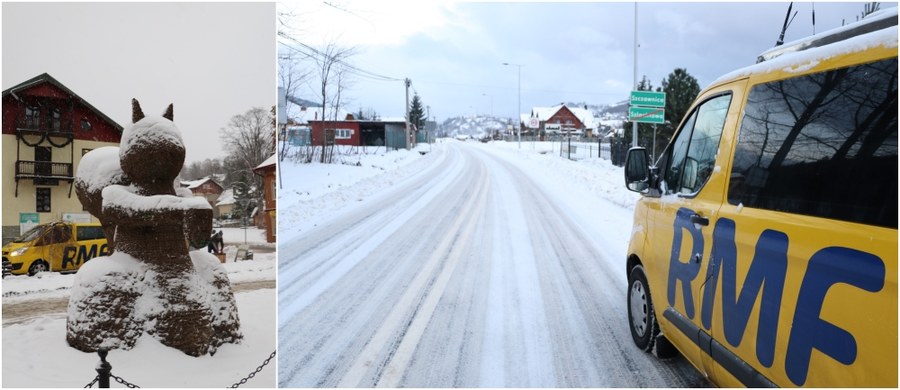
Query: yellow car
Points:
[764, 247]
[58, 246]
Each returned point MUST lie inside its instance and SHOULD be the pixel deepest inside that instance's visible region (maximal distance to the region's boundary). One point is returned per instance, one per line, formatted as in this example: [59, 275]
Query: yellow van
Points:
[57, 246]
[764, 247]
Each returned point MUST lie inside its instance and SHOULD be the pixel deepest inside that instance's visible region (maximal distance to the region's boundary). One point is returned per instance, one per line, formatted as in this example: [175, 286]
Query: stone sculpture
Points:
[154, 283]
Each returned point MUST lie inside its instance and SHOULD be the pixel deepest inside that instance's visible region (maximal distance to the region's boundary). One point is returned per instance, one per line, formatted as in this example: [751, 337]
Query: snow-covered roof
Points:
[801, 61]
[585, 116]
[269, 161]
[226, 198]
[191, 184]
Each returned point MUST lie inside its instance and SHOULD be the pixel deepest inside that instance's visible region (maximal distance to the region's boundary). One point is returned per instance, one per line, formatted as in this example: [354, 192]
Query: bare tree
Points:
[292, 72]
[331, 68]
[249, 140]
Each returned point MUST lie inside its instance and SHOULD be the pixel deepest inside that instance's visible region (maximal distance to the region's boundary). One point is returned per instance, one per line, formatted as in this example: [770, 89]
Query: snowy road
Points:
[469, 273]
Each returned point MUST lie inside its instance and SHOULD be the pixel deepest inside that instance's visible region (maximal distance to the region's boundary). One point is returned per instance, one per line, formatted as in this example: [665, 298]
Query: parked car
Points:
[764, 247]
[57, 246]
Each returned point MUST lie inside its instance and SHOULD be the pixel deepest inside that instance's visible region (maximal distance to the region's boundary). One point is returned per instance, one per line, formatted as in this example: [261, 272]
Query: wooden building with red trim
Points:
[46, 129]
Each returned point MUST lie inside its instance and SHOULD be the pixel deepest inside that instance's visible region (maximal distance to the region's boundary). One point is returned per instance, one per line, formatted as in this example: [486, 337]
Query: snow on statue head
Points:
[152, 152]
[153, 282]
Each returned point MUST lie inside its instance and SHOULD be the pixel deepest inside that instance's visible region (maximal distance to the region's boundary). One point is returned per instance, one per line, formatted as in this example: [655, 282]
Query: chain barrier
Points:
[124, 382]
[90, 385]
[253, 374]
[108, 368]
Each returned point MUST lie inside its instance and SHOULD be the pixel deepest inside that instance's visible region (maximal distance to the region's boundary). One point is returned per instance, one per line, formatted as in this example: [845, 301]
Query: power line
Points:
[358, 71]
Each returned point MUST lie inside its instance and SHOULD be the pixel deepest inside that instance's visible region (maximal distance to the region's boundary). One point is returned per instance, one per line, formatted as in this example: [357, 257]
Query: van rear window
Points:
[89, 233]
[823, 145]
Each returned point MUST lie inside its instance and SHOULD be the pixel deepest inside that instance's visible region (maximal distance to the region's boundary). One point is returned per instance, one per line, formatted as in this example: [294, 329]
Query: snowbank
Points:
[311, 191]
[35, 354]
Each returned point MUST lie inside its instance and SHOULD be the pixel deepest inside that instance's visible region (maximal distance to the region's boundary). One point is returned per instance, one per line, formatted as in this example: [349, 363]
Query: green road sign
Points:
[646, 114]
[648, 99]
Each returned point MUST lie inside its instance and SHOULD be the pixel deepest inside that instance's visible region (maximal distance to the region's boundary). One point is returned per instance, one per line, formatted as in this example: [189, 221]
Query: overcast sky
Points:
[213, 61]
[572, 52]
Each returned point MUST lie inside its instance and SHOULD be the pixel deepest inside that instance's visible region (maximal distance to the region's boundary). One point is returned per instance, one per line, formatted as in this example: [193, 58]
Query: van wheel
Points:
[38, 266]
[641, 318]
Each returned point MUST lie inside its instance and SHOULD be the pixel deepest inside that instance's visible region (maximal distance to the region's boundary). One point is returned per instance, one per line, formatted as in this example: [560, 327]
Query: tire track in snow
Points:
[521, 295]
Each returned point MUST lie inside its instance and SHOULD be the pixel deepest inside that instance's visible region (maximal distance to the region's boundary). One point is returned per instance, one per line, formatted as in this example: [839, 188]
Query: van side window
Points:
[89, 233]
[823, 145]
[694, 149]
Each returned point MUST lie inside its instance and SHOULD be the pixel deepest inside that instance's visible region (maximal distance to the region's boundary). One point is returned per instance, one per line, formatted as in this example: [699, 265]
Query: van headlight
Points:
[19, 252]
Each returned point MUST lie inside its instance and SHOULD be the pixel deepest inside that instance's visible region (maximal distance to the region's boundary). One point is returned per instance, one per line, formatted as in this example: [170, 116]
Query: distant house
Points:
[206, 187]
[267, 170]
[390, 133]
[562, 120]
[224, 207]
[47, 128]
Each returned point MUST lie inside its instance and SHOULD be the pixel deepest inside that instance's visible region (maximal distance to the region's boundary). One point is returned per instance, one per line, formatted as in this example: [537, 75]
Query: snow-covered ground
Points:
[236, 235]
[475, 265]
[35, 352]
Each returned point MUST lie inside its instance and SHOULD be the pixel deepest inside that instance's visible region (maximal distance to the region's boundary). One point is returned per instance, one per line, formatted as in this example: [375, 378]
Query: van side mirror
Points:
[637, 170]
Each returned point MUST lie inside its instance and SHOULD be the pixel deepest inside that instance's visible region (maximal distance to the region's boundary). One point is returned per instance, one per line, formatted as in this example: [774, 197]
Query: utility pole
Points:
[408, 142]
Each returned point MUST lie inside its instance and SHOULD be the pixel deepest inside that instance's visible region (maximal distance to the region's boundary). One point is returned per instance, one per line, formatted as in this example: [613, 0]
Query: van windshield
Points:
[32, 234]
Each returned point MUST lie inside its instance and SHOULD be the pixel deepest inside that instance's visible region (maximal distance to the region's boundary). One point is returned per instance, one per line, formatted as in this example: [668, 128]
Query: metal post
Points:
[634, 125]
[104, 370]
[519, 113]
[408, 83]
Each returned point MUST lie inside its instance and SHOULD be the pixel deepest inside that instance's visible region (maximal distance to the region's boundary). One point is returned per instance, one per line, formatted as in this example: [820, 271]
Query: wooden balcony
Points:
[44, 128]
[44, 171]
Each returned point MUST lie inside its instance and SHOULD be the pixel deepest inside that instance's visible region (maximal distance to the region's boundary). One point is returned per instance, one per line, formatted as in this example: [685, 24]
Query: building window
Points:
[43, 200]
[85, 125]
[342, 133]
[54, 119]
[32, 117]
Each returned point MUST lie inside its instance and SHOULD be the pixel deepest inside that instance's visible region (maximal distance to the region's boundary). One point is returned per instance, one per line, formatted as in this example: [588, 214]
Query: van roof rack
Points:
[873, 22]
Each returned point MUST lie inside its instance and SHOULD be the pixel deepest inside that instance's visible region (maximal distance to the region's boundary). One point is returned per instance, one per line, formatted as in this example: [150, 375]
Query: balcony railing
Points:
[43, 170]
[31, 125]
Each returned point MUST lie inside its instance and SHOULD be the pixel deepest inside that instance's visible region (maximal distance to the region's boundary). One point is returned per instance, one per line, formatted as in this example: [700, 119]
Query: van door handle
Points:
[700, 220]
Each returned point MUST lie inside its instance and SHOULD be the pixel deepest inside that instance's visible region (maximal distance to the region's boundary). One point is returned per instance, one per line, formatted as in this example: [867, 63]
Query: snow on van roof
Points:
[800, 61]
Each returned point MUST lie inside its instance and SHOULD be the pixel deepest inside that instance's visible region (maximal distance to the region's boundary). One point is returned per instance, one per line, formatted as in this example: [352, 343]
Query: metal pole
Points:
[104, 369]
[634, 125]
[519, 113]
[407, 113]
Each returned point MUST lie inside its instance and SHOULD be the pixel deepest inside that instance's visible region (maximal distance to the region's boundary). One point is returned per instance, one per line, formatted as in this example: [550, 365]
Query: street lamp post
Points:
[492, 103]
[519, 112]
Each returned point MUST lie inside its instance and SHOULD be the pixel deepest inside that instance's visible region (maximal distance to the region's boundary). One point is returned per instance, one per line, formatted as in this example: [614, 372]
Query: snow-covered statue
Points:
[154, 282]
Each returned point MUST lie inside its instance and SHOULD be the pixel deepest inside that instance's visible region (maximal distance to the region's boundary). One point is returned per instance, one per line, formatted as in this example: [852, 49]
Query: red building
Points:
[46, 129]
[562, 119]
[208, 189]
[267, 170]
[359, 133]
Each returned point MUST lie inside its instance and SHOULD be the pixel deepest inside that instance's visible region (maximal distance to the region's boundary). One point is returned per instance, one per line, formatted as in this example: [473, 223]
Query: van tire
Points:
[641, 318]
[38, 266]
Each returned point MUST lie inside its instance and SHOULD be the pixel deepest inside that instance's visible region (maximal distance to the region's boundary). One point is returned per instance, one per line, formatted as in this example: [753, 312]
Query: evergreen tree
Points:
[681, 89]
[417, 112]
